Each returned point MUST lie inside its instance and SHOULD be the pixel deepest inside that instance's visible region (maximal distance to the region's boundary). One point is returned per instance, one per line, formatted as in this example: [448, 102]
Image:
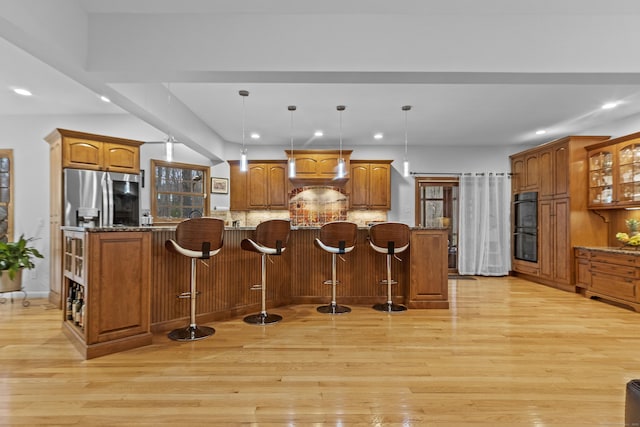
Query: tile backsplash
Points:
[309, 206]
[314, 206]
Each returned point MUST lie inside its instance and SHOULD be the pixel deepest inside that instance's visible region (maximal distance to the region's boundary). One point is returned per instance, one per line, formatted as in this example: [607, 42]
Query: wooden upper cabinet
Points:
[266, 186]
[553, 169]
[278, 195]
[546, 181]
[517, 174]
[614, 173]
[531, 171]
[121, 158]
[82, 153]
[561, 169]
[97, 152]
[370, 184]
[525, 172]
[237, 187]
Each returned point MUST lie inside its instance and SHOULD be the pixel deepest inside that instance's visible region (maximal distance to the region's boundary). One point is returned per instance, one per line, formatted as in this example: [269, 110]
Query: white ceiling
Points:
[475, 73]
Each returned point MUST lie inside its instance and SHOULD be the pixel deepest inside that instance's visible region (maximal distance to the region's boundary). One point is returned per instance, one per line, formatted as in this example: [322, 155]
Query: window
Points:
[6, 195]
[178, 191]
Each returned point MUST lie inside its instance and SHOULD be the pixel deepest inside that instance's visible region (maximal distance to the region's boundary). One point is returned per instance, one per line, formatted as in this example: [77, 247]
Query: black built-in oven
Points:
[525, 231]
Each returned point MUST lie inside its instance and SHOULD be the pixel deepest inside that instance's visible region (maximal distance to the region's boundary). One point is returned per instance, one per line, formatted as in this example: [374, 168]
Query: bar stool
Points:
[196, 238]
[389, 238]
[337, 238]
[270, 238]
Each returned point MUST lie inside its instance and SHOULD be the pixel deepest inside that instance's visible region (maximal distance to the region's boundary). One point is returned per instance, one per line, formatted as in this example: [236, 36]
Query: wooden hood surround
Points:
[318, 167]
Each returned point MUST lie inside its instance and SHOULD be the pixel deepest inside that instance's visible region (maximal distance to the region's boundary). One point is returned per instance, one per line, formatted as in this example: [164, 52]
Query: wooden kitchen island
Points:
[225, 281]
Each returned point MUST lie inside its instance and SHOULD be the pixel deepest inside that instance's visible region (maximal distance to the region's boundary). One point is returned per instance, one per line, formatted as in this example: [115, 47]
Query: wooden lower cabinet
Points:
[612, 275]
[111, 272]
[428, 269]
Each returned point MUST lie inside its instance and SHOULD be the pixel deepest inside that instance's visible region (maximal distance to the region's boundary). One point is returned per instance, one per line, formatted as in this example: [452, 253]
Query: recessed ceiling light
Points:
[105, 99]
[541, 132]
[255, 135]
[22, 92]
[318, 133]
[378, 135]
[609, 105]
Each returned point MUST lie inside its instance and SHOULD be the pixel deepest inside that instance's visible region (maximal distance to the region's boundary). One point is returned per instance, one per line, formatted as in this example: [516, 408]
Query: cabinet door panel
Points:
[257, 186]
[561, 171]
[562, 246]
[359, 182]
[379, 186]
[545, 163]
[278, 187]
[84, 154]
[122, 158]
[531, 171]
[545, 239]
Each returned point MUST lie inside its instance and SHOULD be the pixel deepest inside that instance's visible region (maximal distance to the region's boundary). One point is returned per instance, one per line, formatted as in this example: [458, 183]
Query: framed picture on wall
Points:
[219, 185]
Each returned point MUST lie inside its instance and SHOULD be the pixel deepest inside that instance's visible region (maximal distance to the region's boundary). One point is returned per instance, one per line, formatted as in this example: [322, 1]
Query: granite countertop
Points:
[626, 250]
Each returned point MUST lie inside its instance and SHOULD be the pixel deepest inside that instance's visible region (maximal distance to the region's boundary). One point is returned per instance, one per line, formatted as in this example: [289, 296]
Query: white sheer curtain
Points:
[485, 240]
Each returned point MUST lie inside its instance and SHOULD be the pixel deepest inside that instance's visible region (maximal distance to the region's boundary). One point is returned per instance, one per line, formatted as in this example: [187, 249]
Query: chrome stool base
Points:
[191, 333]
[263, 319]
[389, 307]
[333, 309]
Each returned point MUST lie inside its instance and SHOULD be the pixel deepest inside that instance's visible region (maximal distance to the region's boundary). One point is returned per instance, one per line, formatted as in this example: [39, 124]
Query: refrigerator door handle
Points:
[104, 221]
[110, 199]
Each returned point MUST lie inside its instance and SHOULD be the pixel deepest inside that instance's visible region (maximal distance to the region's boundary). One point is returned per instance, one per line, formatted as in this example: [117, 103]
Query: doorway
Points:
[437, 204]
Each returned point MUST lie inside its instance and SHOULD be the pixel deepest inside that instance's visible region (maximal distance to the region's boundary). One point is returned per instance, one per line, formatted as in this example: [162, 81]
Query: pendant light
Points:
[169, 143]
[292, 160]
[341, 167]
[244, 164]
[405, 164]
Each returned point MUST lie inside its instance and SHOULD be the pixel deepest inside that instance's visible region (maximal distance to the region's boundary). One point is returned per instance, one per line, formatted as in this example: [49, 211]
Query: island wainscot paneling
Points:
[296, 277]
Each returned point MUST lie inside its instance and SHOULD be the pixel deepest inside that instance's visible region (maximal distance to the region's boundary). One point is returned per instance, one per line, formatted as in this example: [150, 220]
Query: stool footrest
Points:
[187, 294]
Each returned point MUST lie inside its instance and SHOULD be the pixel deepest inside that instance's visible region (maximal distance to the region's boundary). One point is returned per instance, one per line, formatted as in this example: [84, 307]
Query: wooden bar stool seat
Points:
[198, 239]
[389, 238]
[270, 238]
[336, 238]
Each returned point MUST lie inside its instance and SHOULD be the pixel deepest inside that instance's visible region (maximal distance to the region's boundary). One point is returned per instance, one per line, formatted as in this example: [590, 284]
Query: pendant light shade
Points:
[170, 141]
[244, 163]
[405, 164]
[341, 172]
[292, 160]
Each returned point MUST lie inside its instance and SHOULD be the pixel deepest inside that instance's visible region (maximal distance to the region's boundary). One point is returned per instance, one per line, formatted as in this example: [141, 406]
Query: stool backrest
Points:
[383, 233]
[191, 233]
[332, 233]
[268, 233]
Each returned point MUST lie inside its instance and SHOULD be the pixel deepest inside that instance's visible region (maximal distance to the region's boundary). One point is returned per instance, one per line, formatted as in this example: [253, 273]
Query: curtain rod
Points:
[460, 174]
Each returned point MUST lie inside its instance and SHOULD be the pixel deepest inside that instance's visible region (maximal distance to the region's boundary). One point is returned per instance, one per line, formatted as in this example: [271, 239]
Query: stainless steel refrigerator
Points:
[101, 199]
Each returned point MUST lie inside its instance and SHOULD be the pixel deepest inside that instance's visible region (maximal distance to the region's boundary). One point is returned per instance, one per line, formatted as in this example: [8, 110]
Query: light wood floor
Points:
[507, 353]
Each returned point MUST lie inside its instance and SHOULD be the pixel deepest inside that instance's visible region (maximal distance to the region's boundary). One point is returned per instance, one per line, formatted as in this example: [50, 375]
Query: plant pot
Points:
[8, 285]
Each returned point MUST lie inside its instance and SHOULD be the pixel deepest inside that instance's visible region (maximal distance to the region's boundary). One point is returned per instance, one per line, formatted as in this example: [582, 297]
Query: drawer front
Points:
[526, 268]
[613, 286]
[582, 253]
[612, 258]
[613, 269]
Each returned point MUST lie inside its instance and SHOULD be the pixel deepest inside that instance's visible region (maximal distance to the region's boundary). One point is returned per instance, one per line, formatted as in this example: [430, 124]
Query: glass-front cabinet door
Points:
[601, 171]
[628, 189]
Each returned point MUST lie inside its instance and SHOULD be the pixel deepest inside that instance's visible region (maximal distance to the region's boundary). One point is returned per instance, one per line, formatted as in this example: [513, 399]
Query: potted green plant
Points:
[15, 257]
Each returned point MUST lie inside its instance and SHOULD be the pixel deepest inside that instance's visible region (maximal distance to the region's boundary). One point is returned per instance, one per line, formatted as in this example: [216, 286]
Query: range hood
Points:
[318, 167]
